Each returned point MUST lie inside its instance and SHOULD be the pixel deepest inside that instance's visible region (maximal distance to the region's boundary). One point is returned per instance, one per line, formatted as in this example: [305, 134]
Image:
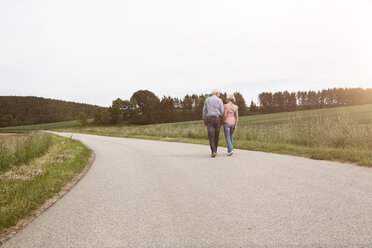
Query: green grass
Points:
[340, 134]
[18, 149]
[24, 187]
[45, 126]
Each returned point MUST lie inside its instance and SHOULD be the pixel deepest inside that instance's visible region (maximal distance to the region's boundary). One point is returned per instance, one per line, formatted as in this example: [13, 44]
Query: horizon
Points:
[94, 52]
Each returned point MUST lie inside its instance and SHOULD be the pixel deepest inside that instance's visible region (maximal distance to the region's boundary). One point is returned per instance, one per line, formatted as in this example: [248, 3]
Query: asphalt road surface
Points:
[141, 193]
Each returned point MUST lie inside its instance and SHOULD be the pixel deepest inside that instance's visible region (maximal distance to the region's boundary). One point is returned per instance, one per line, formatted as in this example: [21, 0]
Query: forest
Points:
[20, 110]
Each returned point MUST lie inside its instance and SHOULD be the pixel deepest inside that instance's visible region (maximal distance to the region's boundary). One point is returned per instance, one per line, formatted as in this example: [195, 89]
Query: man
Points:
[213, 111]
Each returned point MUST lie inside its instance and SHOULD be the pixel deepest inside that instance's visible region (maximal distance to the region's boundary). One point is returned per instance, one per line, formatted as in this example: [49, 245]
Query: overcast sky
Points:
[96, 51]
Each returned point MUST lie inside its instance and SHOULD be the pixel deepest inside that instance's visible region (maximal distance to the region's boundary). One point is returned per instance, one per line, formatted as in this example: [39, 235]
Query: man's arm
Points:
[205, 110]
[205, 113]
[222, 108]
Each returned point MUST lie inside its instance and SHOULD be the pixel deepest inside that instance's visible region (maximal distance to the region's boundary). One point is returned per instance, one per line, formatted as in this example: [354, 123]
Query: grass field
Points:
[46, 126]
[340, 134]
[38, 166]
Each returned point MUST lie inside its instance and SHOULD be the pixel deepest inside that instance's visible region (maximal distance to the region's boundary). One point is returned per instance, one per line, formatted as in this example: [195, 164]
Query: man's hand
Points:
[205, 122]
[236, 127]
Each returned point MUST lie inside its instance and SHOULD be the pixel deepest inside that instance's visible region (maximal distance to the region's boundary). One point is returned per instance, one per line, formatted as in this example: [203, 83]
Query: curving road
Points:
[142, 193]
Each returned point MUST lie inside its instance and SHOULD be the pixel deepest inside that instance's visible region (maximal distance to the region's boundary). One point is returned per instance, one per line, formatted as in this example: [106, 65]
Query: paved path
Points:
[142, 193]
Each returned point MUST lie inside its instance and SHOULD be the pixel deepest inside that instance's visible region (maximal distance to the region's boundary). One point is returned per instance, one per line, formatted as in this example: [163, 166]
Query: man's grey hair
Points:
[216, 91]
[230, 97]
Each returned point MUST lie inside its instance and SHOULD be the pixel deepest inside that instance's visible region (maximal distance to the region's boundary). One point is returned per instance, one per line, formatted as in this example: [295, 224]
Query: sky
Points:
[94, 51]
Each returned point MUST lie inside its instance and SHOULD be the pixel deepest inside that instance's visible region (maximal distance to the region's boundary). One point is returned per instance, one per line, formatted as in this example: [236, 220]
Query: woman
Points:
[230, 122]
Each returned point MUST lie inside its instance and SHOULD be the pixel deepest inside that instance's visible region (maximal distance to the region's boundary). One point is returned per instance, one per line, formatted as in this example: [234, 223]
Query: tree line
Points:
[144, 107]
[302, 100]
[20, 110]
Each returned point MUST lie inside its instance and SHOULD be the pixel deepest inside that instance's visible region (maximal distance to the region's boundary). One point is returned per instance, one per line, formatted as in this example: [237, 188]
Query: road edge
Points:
[12, 231]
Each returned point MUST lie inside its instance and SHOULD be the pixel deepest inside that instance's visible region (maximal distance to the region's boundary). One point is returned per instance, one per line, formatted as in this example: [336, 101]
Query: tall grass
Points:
[15, 151]
[24, 188]
[338, 131]
[342, 134]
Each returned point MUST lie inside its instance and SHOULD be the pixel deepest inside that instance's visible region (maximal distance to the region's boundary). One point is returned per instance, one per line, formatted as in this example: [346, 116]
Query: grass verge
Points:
[20, 149]
[26, 187]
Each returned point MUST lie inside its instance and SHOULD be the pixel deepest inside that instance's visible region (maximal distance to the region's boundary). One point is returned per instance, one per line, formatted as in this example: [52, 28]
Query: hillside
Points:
[29, 110]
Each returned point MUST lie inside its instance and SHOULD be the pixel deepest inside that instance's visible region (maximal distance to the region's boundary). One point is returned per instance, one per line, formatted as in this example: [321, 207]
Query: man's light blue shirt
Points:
[213, 106]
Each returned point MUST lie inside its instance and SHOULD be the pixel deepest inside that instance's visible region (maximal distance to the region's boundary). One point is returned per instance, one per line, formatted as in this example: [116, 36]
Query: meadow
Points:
[34, 167]
[341, 134]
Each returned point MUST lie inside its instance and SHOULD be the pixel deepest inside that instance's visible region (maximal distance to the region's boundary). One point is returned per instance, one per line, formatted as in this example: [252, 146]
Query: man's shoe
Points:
[230, 153]
[214, 154]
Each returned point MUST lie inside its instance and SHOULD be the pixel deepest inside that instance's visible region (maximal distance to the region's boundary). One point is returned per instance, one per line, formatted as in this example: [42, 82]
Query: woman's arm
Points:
[224, 114]
[236, 118]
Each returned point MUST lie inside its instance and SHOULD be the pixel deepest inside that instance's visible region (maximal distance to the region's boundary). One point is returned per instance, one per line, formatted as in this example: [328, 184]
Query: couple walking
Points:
[215, 114]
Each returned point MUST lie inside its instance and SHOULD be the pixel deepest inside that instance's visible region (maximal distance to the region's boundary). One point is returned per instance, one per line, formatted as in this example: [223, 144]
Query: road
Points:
[141, 193]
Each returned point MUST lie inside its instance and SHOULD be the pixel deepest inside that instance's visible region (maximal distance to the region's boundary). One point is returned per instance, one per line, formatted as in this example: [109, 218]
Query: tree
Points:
[98, 116]
[82, 119]
[126, 110]
[223, 97]
[292, 102]
[239, 100]
[167, 109]
[146, 105]
[115, 112]
[253, 107]
[266, 102]
[302, 99]
[105, 117]
[313, 100]
[278, 101]
[198, 106]
[187, 104]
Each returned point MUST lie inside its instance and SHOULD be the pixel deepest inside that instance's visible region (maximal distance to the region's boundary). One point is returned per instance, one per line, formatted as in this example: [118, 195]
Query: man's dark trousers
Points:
[213, 127]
